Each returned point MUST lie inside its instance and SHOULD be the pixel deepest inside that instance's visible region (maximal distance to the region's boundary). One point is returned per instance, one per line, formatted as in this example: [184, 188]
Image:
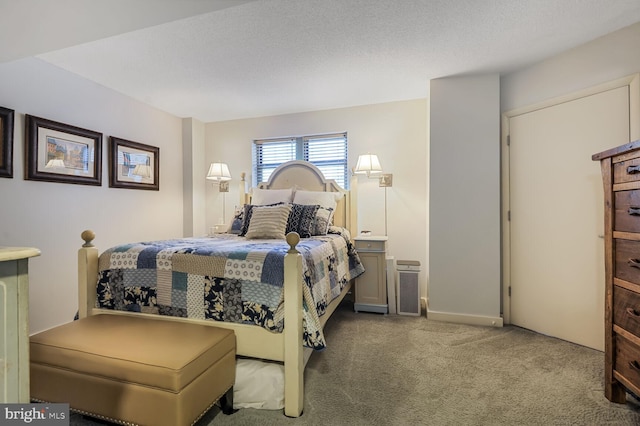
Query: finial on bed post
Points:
[244, 199]
[88, 236]
[293, 238]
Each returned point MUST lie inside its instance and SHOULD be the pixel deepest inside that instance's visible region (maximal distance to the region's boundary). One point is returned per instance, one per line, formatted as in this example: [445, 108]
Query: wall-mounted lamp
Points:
[369, 164]
[219, 172]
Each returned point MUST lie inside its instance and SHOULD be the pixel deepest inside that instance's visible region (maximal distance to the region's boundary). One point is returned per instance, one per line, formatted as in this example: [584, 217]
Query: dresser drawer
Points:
[627, 211]
[627, 360]
[626, 171]
[627, 257]
[626, 309]
[370, 245]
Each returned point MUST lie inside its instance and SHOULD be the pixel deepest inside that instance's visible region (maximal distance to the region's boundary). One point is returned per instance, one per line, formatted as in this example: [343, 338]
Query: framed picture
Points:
[133, 165]
[6, 142]
[57, 152]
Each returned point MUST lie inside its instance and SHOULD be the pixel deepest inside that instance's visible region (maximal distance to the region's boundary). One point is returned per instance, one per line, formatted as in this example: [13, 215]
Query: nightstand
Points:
[371, 287]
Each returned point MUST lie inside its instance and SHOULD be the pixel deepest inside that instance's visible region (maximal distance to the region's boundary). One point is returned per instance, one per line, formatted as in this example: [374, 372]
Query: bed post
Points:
[242, 190]
[352, 212]
[87, 274]
[293, 350]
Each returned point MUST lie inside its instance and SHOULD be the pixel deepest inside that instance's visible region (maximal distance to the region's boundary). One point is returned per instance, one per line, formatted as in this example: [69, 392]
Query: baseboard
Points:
[464, 318]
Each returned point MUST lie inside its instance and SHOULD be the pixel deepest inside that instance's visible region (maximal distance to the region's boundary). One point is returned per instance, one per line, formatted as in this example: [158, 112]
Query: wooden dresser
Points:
[621, 178]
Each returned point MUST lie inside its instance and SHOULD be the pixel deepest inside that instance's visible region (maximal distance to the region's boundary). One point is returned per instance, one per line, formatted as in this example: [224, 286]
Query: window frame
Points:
[300, 146]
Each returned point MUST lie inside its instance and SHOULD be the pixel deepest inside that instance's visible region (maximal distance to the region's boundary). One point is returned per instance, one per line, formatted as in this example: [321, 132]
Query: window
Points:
[327, 152]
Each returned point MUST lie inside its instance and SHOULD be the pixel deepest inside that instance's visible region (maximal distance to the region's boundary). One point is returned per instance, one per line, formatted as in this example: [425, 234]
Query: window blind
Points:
[269, 154]
[327, 152]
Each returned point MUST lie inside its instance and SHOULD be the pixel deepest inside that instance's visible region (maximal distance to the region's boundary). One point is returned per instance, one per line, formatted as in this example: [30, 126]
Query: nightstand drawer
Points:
[365, 245]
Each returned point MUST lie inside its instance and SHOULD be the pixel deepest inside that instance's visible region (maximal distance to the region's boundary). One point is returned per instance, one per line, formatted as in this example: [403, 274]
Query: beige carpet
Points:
[400, 370]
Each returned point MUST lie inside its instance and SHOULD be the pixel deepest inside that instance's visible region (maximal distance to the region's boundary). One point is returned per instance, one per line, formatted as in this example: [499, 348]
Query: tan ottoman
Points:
[135, 370]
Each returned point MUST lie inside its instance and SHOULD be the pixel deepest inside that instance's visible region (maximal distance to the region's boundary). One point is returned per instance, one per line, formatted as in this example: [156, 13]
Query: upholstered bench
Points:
[135, 370]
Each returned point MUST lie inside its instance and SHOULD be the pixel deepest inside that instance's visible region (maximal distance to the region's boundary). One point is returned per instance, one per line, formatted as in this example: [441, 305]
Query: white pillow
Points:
[328, 200]
[259, 384]
[262, 197]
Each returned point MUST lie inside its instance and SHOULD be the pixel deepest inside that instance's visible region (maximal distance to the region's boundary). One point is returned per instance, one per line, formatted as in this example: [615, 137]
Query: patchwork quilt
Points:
[227, 278]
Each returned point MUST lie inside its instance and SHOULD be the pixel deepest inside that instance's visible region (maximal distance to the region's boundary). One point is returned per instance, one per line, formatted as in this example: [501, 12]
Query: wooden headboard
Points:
[303, 175]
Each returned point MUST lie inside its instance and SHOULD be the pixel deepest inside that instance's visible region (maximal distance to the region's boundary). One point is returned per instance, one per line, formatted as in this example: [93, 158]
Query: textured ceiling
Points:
[29, 27]
[270, 57]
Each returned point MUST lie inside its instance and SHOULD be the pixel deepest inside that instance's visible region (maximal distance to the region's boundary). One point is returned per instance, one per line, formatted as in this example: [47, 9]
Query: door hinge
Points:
[508, 140]
[509, 291]
[509, 215]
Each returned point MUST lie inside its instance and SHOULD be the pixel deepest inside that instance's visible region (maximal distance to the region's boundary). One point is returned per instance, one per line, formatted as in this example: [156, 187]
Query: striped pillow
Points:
[269, 222]
[246, 217]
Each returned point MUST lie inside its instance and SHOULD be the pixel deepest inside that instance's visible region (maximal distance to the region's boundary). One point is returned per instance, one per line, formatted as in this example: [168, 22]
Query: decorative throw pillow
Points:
[265, 197]
[246, 216]
[235, 226]
[323, 219]
[301, 219]
[327, 201]
[269, 222]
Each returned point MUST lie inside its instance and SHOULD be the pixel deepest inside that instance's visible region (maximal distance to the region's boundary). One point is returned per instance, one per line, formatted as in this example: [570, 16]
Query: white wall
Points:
[464, 203]
[602, 60]
[396, 132]
[51, 216]
[194, 177]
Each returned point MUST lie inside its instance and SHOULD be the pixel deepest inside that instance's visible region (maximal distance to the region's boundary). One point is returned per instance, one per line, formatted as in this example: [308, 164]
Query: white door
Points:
[556, 204]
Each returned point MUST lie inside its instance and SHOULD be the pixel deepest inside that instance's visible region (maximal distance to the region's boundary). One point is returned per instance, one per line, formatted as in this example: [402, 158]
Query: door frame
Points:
[632, 81]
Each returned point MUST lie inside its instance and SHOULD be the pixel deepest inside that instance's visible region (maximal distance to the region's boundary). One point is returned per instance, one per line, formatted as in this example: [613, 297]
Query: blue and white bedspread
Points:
[227, 278]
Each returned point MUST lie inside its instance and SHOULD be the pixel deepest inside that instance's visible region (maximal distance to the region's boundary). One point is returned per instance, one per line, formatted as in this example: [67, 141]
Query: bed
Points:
[300, 281]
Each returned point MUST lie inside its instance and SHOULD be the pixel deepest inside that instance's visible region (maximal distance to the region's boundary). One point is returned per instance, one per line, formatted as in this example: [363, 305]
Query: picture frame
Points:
[58, 152]
[6, 142]
[133, 165]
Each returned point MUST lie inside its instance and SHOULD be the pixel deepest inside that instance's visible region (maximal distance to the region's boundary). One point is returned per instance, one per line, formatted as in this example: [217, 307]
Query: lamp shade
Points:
[369, 164]
[219, 172]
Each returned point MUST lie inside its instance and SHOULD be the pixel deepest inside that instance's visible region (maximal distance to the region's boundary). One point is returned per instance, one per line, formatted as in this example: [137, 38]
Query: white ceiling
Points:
[238, 59]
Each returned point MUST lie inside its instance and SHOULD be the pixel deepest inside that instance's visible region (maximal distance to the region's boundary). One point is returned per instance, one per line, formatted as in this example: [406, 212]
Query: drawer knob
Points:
[634, 211]
[634, 263]
[632, 170]
[633, 313]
